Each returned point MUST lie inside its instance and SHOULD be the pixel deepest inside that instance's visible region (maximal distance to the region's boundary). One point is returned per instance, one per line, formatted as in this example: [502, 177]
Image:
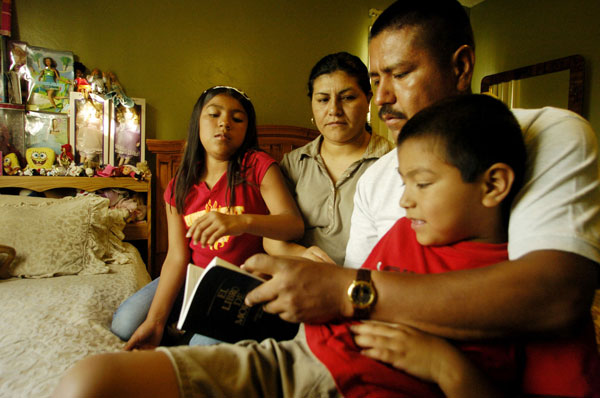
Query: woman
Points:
[323, 174]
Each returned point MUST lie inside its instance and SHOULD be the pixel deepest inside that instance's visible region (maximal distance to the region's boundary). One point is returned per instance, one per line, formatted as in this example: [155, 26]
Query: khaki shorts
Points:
[250, 369]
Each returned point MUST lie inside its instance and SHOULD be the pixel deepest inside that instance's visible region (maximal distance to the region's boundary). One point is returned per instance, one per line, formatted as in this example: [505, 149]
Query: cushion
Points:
[55, 237]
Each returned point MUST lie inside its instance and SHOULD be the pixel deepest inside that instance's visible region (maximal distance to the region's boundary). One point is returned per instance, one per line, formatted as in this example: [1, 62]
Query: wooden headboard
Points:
[274, 139]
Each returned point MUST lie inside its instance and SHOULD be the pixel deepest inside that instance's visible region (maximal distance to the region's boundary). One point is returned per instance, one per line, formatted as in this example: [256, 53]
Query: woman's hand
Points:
[212, 226]
[147, 336]
[315, 253]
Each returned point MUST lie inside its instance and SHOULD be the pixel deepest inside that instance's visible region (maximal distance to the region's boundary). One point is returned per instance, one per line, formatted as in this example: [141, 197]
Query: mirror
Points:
[556, 83]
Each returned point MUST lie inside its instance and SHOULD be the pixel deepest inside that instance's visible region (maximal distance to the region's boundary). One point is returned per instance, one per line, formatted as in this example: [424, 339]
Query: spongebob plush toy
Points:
[40, 158]
[11, 164]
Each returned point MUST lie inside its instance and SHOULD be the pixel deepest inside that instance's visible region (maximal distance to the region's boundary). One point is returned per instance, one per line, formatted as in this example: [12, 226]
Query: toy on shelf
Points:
[97, 82]
[127, 134]
[89, 127]
[66, 155]
[115, 91]
[53, 74]
[11, 164]
[80, 84]
[40, 158]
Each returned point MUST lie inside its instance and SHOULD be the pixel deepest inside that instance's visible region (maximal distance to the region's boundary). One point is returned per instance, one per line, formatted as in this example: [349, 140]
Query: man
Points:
[547, 286]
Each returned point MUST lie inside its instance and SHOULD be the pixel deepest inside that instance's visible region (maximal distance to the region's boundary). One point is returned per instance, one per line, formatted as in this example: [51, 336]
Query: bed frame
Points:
[274, 139]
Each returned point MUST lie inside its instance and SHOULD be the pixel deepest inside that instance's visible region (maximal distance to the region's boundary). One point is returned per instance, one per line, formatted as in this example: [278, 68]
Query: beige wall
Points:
[169, 52]
[514, 33]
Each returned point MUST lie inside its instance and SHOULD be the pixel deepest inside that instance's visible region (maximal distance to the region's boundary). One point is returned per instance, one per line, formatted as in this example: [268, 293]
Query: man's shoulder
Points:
[533, 121]
[387, 162]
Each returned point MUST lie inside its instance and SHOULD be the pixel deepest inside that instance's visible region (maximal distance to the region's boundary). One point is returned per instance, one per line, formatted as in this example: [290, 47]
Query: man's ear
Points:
[496, 184]
[463, 63]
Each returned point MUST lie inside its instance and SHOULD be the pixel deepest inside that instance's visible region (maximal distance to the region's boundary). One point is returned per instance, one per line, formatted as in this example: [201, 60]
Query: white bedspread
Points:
[48, 324]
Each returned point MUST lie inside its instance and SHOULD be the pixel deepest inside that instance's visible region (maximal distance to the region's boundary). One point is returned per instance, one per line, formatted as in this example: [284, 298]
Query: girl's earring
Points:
[312, 120]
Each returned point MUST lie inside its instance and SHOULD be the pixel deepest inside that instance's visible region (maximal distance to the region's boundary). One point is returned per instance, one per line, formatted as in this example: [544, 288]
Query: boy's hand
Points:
[417, 353]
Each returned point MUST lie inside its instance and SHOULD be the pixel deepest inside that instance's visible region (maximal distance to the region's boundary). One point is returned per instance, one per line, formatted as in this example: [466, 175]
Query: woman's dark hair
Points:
[477, 131]
[444, 25]
[344, 62]
[194, 155]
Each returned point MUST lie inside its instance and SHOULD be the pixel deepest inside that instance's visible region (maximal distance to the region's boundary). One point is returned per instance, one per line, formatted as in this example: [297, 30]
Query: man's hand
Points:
[300, 290]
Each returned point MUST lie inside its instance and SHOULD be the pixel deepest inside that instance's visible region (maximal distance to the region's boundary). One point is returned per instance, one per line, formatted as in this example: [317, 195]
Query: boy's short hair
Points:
[477, 131]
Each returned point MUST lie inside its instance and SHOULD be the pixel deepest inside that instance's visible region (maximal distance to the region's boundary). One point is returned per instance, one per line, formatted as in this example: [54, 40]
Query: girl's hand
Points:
[417, 353]
[209, 228]
[147, 336]
[315, 253]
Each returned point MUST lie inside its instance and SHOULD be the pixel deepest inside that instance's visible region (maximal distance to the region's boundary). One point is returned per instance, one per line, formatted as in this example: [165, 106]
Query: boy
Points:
[462, 160]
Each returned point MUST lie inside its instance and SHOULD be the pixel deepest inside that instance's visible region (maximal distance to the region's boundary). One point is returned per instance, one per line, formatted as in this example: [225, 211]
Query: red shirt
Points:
[359, 376]
[248, 200]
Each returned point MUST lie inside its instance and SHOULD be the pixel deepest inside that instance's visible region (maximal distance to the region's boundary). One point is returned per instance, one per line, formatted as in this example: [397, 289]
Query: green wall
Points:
[169, 52]
[515, 33]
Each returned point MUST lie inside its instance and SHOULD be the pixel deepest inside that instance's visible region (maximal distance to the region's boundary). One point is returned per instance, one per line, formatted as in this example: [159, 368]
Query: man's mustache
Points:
[386, 110]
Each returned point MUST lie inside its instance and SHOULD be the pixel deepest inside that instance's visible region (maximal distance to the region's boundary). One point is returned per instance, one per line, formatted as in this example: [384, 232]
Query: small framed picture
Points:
[46, 130]
[128, 133]
[89, 128]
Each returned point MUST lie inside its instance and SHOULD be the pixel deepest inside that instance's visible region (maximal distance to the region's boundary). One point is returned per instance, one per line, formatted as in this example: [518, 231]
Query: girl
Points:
[224, 198]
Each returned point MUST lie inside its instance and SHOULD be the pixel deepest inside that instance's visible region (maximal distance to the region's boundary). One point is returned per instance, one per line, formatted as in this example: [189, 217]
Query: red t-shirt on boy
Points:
[359, 376]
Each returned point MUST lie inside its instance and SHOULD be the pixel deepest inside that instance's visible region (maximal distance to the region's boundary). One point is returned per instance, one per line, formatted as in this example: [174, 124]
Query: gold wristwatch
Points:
[362, 294]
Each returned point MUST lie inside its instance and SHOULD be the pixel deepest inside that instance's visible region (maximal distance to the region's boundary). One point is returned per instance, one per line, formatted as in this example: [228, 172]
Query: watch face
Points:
[362, 294]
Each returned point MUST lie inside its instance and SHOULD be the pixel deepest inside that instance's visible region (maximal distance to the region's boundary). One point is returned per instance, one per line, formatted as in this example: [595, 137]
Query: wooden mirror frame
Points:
[574, 63]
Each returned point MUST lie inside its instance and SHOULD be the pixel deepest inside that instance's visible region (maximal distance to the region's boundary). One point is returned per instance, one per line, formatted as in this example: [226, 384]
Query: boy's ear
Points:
[497, 181]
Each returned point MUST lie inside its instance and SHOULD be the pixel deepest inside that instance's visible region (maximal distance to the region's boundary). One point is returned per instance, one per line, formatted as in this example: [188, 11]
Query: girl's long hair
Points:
[194, 155]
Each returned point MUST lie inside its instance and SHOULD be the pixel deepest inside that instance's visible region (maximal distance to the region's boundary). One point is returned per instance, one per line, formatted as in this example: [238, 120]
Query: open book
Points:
[213, 305]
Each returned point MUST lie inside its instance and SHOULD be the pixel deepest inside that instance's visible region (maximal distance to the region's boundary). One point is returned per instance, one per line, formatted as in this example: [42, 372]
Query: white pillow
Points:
[55, 237]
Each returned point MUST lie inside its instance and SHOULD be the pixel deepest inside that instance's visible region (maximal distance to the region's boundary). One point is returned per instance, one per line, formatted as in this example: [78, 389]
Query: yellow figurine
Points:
[11, 164]
[40, 158]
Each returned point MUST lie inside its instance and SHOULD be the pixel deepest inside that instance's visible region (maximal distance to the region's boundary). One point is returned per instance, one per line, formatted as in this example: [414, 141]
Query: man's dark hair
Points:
[444, 25]
[475, 131]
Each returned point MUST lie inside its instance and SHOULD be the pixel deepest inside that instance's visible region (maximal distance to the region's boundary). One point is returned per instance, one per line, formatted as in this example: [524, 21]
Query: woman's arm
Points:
[149, 333]
[283, 223]
[292, 249]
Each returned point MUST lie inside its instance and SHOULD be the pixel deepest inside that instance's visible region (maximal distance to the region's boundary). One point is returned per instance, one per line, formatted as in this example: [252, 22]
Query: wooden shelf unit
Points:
[133, 232]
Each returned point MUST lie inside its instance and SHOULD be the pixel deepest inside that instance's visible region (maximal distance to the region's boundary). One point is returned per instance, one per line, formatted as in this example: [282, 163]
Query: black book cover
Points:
[214, 306]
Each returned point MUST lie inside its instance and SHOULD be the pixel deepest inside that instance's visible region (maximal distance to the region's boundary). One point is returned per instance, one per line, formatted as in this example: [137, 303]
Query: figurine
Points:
[11, 164]
[116, 92]
[66, 155]
[144, 169]
[89, 136]
[40, 158]
[50, 77]
[80, 84]
[97, 83]
[127, 135]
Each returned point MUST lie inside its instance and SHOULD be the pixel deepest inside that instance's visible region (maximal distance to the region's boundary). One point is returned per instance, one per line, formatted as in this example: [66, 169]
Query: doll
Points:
[81, 85]
[96, 82]
[11, 164]
[127, 135]
[50, 78]
[116, 92]
[88, 127]
[66, 155]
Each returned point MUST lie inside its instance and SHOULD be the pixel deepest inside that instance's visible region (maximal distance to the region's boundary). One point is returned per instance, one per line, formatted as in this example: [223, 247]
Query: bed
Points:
[73, 268]
[71, 272]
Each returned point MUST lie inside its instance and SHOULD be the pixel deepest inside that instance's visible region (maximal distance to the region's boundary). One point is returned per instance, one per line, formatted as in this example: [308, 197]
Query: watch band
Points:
[362, 294]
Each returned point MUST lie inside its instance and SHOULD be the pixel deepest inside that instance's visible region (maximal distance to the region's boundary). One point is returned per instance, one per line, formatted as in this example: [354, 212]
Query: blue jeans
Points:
[133, 311]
